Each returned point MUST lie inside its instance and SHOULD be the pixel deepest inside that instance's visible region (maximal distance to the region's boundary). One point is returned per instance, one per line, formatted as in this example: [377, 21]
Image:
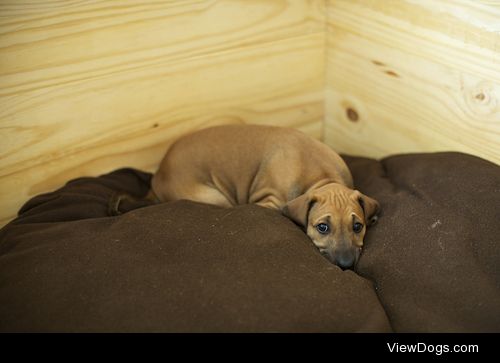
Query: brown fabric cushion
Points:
[174, 267]
[434, 253]
[66, 265]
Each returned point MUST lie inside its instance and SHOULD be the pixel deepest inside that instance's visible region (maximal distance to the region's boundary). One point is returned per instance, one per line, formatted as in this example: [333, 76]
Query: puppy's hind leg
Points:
[196, 192]
[206, 194]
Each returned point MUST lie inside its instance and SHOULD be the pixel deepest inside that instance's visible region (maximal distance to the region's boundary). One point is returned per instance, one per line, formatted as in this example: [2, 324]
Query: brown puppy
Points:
[274, 167]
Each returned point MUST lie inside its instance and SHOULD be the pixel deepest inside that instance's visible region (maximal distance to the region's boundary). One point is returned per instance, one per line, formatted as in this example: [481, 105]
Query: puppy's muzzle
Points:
[344, 257]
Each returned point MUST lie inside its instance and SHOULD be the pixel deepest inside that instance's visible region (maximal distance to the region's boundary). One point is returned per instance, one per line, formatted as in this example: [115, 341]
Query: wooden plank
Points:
[53, 43]
[413, 76]
[88, 87]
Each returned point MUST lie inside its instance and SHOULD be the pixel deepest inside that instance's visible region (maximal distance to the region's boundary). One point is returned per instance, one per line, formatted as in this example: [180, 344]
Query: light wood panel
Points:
[413, 76]
[90, 86]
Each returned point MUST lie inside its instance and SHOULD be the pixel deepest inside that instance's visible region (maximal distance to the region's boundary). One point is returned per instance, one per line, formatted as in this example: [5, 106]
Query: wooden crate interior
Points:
[89, 87]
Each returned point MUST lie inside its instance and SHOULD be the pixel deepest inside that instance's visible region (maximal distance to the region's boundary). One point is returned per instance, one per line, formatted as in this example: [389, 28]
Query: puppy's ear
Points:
[298, 209]
[370, 207]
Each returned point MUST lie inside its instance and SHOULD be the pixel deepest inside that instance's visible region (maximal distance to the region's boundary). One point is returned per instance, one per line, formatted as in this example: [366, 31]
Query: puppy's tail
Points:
[121, 202]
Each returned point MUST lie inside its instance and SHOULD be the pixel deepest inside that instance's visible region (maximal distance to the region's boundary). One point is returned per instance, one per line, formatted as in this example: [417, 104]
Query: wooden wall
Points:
[90, 86]
[412, 76]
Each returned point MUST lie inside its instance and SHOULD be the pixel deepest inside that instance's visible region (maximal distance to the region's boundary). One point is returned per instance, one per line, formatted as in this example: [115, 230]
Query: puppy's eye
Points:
[323, 228]
[357, 227]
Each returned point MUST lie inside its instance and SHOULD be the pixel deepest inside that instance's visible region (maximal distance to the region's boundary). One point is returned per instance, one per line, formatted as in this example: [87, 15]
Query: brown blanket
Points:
[430, 264]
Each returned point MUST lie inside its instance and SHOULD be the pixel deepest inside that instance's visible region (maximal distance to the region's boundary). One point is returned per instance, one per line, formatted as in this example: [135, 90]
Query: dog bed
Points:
[430, 264]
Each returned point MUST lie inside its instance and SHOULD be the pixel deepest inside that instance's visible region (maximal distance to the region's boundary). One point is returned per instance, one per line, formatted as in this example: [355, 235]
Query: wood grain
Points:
[90, 86]
[413, 76]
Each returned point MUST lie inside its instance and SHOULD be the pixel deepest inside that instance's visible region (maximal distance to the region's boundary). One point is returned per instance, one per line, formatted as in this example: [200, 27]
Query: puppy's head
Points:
[335, 218]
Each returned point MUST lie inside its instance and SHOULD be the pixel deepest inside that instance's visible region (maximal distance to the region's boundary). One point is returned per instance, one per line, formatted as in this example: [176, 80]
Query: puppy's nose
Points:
[345, 258]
